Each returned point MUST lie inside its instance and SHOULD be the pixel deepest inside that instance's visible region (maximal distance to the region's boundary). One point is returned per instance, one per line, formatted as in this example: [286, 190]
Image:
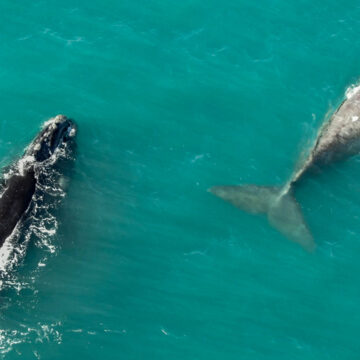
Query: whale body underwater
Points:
[338, 139]
[21, 181]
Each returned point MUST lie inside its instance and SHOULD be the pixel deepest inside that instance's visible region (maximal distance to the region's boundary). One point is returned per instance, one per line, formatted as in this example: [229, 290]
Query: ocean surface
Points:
[139, 261]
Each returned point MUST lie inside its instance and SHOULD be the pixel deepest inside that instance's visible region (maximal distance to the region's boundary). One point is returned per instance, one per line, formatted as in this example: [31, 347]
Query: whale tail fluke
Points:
[280, 206]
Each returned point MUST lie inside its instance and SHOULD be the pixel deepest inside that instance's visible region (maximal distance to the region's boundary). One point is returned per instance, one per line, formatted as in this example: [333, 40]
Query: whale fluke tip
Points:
[282, 210]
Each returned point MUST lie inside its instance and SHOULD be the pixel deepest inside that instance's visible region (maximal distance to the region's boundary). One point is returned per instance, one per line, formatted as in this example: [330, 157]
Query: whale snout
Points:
[64, 129]
[59, 131]
[55, 132]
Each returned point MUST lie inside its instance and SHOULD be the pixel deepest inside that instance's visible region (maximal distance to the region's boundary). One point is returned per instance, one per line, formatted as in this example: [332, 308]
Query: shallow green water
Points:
[171, 98]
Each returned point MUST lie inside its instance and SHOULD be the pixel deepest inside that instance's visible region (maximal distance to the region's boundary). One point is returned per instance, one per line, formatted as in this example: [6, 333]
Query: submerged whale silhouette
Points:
[338, 139]
[20, 182]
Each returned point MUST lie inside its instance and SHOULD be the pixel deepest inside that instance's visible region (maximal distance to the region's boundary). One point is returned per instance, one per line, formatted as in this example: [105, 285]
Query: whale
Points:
[20, 182]
[337, 139]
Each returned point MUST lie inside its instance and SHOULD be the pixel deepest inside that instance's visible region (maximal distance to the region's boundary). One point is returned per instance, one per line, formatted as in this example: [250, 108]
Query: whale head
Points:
[55, 132]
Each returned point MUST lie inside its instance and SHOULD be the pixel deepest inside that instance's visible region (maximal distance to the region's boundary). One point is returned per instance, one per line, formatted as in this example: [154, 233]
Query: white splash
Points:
[24, 162]
[5, 253]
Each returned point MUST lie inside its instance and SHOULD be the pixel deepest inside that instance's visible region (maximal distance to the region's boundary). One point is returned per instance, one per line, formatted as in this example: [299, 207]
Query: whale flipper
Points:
[281, 208]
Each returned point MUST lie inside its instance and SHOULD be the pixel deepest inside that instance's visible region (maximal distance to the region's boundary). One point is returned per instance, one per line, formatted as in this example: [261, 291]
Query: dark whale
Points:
[338, 139]
[20, 182]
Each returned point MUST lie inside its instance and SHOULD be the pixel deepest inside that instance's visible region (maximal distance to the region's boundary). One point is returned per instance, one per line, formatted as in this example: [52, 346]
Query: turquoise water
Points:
[171, 98]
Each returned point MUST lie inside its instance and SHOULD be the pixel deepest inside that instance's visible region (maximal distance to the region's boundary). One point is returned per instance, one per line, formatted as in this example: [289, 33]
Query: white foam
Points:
[24, 162]
[5, 253]
[8, 255]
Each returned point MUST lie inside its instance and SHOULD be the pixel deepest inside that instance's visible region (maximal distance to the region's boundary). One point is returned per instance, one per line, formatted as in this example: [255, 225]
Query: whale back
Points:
[19, 183]
[14, 201]
[340, 136]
